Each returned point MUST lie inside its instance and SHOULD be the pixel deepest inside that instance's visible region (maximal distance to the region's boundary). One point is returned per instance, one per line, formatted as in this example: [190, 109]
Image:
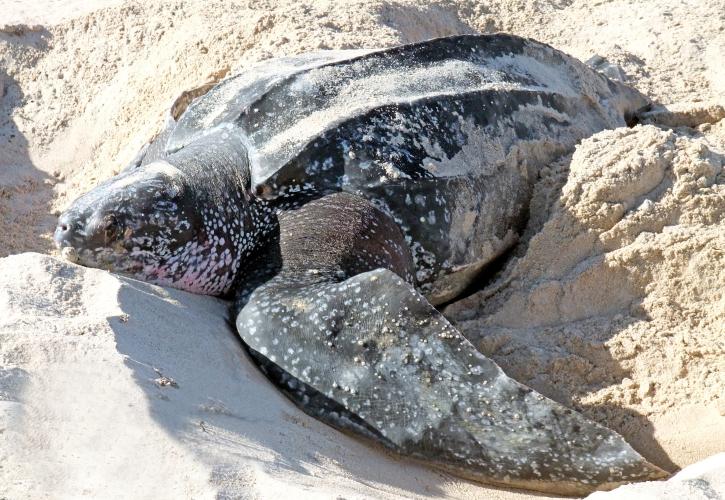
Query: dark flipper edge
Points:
[368, 354]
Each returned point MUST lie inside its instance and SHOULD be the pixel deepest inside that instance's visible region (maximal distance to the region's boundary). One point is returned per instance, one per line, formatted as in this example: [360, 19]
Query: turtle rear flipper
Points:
[355, 345]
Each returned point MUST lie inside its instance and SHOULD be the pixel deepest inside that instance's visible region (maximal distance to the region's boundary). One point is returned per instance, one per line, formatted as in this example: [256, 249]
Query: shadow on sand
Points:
[25, 191]
[529, 354]
[204, 390]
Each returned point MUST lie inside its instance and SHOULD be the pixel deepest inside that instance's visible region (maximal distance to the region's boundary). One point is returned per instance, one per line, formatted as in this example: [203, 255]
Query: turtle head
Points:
[150, 224]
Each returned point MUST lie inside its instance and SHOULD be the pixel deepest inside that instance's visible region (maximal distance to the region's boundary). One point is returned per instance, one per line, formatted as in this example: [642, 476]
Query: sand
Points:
[613, 301]
[112, 388]
[703, 480]
[616, 304]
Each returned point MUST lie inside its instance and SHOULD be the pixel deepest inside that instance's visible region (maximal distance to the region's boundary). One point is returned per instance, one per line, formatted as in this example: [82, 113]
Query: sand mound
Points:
[616, 304]
[85, 84]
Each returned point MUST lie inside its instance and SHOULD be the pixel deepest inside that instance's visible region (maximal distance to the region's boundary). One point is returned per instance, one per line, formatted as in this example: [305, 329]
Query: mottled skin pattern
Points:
[198, 225]
[366, 353]
[447, 137]
[336, 197]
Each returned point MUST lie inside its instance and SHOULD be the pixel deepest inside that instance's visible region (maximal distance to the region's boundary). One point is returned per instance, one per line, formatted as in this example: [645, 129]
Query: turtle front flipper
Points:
[340, 329]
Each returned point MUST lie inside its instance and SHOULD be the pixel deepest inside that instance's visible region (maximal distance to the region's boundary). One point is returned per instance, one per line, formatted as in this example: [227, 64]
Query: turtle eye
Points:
[110, 227]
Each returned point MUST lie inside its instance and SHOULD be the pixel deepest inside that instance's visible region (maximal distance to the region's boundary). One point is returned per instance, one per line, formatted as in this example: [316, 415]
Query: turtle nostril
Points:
[62, 234]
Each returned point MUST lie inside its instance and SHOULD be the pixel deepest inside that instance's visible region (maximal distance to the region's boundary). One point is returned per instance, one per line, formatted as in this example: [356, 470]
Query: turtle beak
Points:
[65, 232]
[64, 236]
[61, 236]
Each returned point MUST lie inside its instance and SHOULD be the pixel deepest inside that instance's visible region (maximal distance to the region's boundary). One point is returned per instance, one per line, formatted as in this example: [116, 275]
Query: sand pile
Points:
[613, 303]
[86, 84]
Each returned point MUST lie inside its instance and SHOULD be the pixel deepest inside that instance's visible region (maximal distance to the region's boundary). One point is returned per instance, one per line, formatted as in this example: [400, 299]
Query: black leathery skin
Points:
[358, 156]
[337, 195]
[382, 121]
[186, 221]
[316, 404]
[354, 340]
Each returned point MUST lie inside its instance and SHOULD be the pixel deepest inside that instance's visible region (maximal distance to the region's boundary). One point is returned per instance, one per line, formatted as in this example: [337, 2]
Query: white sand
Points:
[701, 481]
[112, 388]
[615, 305]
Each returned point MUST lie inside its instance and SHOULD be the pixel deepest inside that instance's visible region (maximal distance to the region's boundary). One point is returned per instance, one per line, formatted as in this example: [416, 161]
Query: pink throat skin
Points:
[212, 276]
[192, 281]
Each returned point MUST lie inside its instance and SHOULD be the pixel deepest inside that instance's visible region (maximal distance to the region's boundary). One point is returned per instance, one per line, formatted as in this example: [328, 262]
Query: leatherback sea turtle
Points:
[337, 197]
